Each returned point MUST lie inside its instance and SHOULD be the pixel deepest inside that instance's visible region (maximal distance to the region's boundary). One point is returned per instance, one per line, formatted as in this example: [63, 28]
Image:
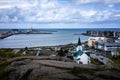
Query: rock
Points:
[109, 74]
[45, 71]
[50, 79]
[89, 77]
[48, 68]
[64, 76]
[23, 62]
[65, 59]
[68, 65]
[18, 69]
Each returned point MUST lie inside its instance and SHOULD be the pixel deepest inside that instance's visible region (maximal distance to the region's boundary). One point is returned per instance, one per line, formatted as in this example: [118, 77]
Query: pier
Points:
[5, 34]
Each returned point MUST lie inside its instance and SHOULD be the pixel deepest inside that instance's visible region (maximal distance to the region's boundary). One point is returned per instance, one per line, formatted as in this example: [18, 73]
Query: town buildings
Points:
[108, 45]
[102, 33]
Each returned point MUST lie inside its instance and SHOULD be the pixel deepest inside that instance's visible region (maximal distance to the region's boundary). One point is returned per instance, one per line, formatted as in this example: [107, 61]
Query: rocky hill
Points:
[52, 68]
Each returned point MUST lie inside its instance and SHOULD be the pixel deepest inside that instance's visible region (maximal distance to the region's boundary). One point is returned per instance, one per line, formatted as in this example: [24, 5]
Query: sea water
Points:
[60, 37]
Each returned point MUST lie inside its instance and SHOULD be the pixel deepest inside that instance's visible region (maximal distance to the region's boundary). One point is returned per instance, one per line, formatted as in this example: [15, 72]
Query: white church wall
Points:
[84, 59]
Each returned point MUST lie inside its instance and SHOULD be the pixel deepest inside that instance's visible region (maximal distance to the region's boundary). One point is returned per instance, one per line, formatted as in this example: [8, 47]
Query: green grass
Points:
[116, 62]
[95, 61]
[8, 53]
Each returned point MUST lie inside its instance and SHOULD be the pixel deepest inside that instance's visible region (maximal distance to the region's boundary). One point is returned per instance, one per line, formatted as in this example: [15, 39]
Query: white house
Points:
[109, 48]
[81, 56]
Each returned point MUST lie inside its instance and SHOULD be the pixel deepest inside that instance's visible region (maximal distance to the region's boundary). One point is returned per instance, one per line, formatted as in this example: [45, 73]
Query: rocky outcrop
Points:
[18, 69]
[40, 68]
[32, 69]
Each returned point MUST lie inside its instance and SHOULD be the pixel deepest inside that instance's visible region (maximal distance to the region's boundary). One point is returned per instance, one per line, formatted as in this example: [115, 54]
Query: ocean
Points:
[61, 37]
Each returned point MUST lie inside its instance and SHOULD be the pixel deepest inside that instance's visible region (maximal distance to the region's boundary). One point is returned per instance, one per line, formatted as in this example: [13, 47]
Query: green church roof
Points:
[88, 53]
[78, 53]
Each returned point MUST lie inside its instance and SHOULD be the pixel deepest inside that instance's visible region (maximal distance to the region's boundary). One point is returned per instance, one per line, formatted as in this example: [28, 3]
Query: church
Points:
[81, 56]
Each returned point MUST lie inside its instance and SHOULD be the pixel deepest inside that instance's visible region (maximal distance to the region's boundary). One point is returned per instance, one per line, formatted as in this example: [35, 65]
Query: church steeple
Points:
[79, 45]
[79, 42]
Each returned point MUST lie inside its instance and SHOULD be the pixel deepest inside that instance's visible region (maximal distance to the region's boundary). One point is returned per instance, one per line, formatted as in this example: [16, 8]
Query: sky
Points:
[60, 13]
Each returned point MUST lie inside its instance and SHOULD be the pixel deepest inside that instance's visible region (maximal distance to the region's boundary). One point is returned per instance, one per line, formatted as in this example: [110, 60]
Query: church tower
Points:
[79, 45]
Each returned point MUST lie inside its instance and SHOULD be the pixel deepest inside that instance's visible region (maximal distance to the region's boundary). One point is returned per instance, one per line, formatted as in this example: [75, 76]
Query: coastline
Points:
[43, 46]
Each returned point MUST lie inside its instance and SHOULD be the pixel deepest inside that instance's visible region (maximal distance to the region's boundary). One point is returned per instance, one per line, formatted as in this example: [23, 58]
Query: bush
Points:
[62, 52]
[8, 53]
[70, 57]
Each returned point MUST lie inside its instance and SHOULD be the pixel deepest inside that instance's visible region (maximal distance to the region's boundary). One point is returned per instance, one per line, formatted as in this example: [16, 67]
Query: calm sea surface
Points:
[62, 36]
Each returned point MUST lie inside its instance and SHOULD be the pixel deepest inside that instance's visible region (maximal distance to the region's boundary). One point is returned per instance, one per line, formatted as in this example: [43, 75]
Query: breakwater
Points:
[5, 34]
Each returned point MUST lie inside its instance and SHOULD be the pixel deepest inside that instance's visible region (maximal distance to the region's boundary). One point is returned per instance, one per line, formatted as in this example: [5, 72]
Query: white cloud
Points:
[87, 13]
[15, 19]
[52, 11]
[5, 19]
[86, 1]
[111, 1]
[94, 1]
[111, 5]
[102, 16]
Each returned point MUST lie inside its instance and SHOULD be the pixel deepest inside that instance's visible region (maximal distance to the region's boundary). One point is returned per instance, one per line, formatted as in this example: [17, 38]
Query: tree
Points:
[62, 52]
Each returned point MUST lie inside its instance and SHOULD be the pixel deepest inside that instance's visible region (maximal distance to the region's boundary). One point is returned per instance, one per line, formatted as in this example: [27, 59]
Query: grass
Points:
[8, 53]
[116, 62]
[95, 61]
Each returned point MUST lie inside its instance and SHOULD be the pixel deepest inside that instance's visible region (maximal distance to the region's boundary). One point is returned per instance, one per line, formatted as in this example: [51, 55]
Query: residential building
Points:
[109, 48]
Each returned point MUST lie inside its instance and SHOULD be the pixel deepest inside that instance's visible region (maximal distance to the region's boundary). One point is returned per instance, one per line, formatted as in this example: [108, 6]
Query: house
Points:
[92, 41]
[16, 51]
[109, 48]
[81, 56]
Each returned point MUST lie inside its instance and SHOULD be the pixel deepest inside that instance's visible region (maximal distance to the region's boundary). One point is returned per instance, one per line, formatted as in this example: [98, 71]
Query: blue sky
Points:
[60, 13]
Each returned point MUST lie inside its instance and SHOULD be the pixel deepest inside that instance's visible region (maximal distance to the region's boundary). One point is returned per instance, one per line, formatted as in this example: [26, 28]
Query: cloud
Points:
[61, 11]
[96, 1]
[111, 1]
[86, 1]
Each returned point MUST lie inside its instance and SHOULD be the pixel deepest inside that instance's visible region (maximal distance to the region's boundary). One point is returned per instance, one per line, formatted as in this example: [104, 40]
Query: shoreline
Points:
[42, 46]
